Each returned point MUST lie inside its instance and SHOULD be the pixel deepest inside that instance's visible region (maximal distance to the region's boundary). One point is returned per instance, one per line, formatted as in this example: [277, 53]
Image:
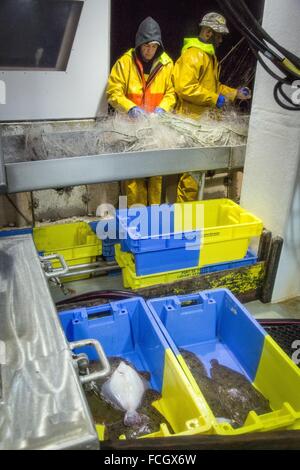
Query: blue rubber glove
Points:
[221, 101]
[245, 91]
[136, 112]
[159, 110]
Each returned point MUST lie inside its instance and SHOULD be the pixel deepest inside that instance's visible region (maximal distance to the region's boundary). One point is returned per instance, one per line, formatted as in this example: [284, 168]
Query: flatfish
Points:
[124, 390]
[151, 419]
[207, 385]
[237, 393]
[106, 413]
[228, 393]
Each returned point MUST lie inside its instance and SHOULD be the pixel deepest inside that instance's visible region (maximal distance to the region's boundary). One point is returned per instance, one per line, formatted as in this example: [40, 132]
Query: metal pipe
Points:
[89, 271]
[102, 357]
[55, 272]
[87, 265]
[201, 187]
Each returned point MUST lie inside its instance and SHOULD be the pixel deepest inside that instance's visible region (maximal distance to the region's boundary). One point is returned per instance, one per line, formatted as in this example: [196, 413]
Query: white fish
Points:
[125, 390]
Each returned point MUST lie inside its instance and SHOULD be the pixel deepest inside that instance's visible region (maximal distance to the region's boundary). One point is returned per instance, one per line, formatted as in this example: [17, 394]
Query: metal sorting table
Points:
[75, 171]
[42, 403]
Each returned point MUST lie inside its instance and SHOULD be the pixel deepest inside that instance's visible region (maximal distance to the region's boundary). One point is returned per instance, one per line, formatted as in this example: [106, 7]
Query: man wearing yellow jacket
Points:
[196, 80]
[141, 82]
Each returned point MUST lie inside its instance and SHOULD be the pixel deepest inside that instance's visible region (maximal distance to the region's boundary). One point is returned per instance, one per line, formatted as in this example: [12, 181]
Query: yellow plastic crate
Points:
[226, 232]
[278, 378]
[226, 228]
[76, 242]
[127, 329]
[130, 278]
[214, 325]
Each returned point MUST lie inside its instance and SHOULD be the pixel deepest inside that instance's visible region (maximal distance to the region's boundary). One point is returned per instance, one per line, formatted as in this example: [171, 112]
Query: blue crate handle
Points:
[105, 308]
[190, 297]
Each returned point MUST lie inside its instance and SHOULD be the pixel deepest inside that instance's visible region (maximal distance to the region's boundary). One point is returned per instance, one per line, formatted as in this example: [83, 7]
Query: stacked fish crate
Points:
[165, 244]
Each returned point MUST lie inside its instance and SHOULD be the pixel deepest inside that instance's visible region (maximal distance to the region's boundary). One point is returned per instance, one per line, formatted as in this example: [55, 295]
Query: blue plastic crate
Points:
[165, 260]
[152, 263]
[108, 245]
[125, 329]
[157, 249]
[213, 325]
[108, 249]
[249, 259]
[93, 225]
[15, 232]
[152, 235]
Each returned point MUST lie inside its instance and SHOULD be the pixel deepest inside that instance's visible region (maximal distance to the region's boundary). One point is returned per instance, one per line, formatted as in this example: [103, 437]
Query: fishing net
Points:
[238, 67]
[118, 134]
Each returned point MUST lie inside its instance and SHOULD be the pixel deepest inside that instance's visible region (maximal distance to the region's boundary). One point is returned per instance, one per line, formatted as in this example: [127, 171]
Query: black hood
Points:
[148, 31]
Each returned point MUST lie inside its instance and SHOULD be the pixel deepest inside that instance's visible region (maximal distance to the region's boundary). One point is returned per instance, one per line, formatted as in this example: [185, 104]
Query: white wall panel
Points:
[271, 187]
[77, 93]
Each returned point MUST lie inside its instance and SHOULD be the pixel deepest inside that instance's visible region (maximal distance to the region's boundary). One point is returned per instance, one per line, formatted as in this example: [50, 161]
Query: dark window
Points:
[37, 34]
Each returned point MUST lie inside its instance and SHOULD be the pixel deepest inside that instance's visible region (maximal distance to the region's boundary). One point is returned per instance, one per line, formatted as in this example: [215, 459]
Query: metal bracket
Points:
[49, 271]
[102, 357]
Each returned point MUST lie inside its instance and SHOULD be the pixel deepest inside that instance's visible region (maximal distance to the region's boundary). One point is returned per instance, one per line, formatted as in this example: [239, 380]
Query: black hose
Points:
[244, 29]
[104, 294]
[262, 46]
[285, 96]
[278, 90]
[268, 70]
[292, 57]
[257, 42]
[261, 36]
[278, 87]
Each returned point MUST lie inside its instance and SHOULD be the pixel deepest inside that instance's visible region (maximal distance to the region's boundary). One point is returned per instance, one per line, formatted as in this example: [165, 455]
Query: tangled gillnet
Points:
[118, 133]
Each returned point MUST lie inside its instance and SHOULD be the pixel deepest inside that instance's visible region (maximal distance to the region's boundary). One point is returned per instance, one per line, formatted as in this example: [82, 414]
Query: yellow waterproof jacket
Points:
[127, 86]
[196, 78]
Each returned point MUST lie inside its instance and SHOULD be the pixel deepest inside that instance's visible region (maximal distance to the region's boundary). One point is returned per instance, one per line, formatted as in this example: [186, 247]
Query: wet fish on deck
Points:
[207, 385]
[238, 394]
[228, 393]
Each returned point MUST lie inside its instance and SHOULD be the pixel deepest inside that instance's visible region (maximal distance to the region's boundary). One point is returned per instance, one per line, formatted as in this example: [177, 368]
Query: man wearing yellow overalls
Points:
[141, 82]
[196, 80]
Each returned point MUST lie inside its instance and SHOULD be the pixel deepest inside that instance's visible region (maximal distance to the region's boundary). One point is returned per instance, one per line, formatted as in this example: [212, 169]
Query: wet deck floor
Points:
[290, 309]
